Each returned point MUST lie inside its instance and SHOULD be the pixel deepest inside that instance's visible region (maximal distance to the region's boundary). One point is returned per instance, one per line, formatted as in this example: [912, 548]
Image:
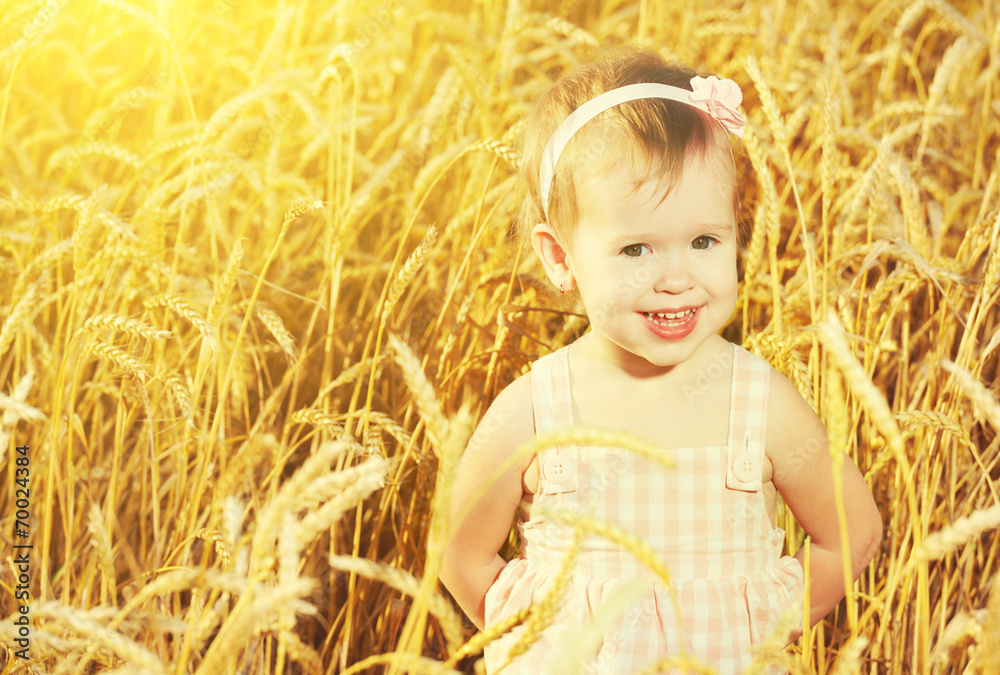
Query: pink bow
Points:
[719, 98]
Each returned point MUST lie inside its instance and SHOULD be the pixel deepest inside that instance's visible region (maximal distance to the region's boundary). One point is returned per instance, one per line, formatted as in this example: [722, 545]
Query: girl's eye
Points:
[634, 250]
[703, 242]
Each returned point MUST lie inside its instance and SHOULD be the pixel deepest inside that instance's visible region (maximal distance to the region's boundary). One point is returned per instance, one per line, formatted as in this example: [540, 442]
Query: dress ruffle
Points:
[754, 606]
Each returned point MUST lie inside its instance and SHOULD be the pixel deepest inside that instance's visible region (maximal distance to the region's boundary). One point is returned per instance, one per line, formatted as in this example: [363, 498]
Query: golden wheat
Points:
[157, 162]
[941, 543]
[226, 283]
[93, 631]
[405, 583]
[15, 406]
[184, 310]
[121, 324]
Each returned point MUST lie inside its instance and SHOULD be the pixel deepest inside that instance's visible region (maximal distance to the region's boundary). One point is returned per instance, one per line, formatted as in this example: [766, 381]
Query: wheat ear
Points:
[409, 270]
[83, 232]
[962, 531]
[101, 540]
[121, 324]
[404, 582]
[186, 311]
[412, 663]
[973, 388]
[80, 622]
[15, 406]
[226, 283]
[18, 315]
[428, 405]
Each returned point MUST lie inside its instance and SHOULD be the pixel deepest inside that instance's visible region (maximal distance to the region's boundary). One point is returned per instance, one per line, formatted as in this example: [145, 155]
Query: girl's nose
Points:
[673, 274]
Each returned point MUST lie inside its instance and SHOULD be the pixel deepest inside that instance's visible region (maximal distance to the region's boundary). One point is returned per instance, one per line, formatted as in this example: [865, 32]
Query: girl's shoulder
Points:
[796, 436]
[508, 423]
[754, 361]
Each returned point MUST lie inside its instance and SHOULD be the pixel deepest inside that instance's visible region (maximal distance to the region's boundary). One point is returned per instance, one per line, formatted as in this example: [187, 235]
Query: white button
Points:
[558, 470]
[746, 467]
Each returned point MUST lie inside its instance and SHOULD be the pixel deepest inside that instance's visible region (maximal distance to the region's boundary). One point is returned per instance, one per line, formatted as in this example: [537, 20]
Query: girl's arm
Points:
[799, 450]
[482, 511]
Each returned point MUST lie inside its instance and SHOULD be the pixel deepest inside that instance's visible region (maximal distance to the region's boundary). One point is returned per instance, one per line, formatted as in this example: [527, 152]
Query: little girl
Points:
[631, 203]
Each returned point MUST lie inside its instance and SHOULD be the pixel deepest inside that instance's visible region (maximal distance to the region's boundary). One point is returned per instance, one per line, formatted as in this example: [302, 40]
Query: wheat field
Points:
[258, 286]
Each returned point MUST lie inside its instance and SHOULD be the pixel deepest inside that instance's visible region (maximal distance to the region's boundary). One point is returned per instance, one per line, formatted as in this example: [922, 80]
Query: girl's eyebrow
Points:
[716, 228]
[696, 230]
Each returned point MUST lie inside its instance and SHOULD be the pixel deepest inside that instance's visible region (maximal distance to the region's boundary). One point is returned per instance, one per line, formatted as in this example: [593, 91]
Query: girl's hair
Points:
[651, 136]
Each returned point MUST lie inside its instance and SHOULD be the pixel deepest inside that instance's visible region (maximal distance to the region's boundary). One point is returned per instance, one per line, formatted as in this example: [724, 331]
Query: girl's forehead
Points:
[702, 191]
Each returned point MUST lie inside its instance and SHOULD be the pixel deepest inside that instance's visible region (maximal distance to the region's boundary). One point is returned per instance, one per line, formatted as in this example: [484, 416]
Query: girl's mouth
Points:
[670, 318]
[672, 325]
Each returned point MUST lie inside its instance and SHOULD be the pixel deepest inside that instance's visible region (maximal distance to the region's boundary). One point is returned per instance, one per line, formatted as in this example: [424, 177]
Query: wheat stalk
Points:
[69, 158]
[316, 466]
[768, 212]
[504, 152]
[991, 629]
[145, 18]
[15, 407]
[42, 23]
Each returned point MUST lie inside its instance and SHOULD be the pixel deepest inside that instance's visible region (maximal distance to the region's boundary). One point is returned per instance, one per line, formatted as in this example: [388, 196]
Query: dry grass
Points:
[258, 287]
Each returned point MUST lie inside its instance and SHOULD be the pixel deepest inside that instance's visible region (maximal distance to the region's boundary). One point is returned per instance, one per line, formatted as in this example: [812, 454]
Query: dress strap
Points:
[747, 421]
[550, 398]
[553, 407]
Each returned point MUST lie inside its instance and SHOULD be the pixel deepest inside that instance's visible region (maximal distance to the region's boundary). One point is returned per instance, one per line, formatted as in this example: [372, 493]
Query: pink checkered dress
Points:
[705, 517]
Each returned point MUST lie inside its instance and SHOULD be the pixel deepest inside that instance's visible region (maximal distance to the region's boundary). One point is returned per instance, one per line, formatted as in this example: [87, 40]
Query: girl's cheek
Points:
[632, 278]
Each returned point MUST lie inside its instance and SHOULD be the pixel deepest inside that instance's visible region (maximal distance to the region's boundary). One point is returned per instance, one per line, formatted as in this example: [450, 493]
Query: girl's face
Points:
[657, 275]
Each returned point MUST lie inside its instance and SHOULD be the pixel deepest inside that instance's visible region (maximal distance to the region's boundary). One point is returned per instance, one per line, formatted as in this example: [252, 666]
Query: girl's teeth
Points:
[670, 315]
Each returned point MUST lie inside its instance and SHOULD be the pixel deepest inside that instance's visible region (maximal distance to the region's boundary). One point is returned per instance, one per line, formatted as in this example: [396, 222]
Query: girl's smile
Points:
[673, 324]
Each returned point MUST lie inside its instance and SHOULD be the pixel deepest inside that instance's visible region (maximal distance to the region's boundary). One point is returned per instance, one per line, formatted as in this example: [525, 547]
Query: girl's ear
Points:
[554, 257]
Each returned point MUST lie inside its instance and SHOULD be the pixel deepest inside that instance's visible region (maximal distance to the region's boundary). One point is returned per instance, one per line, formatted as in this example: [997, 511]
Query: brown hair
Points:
[652, 136]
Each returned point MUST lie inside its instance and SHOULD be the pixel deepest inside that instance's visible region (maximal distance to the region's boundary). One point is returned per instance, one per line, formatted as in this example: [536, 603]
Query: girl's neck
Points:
[611, 360]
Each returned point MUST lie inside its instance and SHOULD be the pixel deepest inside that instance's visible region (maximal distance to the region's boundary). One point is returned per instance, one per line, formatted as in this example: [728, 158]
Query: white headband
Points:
[718, 98]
